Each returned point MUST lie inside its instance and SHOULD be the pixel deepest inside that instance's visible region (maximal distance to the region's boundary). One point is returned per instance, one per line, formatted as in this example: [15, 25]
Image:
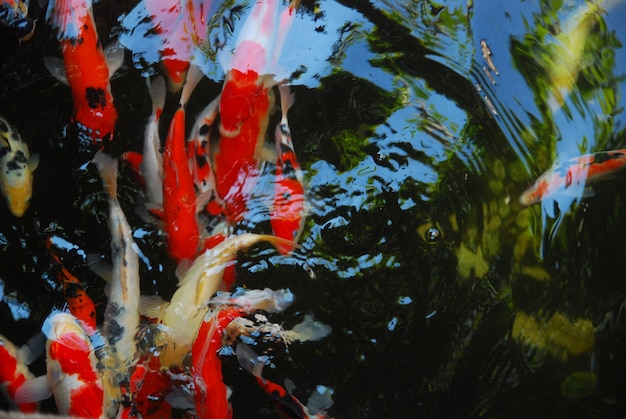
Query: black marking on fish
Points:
[204, 129]
[288, 170]
[115, 332]
[95, 97]
[3, 126]
[4, 151]
[72, 290]
[201, 161]
[17, 162]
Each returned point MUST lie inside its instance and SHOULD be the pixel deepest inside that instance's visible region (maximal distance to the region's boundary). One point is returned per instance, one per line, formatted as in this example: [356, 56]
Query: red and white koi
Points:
[286, 403]
[16, 169]
[180, 26]
[13, 373]
[71, 372]
[287, 214]
[246, 101]
[86, 70]
[578, 171]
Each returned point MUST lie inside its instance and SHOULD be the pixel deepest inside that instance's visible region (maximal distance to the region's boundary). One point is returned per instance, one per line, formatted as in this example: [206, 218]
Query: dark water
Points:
[446, 297]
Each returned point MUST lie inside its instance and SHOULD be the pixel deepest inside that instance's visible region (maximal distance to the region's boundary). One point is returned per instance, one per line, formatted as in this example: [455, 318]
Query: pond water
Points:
[446, 296]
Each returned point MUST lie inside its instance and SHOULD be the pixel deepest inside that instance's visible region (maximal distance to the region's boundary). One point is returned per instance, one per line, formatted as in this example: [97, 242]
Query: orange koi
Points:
[286, 216]
[245, 103]
[79, 303]
[211, 392]
[14, 373]
[149, 385]
[179, 196]
[579, 171]
[85, 70]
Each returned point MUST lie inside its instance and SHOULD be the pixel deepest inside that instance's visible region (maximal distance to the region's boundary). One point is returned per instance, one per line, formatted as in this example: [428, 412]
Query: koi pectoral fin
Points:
[56, 67]
[34, 390]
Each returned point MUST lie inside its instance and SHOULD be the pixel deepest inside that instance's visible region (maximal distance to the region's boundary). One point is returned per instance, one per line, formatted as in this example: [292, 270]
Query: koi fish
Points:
[198, 151]
[220, 328]
[14, 17]
[245, 103]
[14, 373]
[149, 385]
[16, 169]
[211, 393]
[578, 171]
[176, 28]
[151, 166]
[79, 303]
[286, 403]
[71, 373]
[179, 196]
[86, 70]
[121, 317]
[266, 299]
[182, 316]
[286, 216]
[486, 53]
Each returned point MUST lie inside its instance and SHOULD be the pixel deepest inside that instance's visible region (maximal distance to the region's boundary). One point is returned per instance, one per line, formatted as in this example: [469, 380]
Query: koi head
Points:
[16, 168]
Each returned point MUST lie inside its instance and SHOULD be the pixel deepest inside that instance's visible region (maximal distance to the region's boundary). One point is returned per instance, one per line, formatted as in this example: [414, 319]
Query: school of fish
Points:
[150, 356]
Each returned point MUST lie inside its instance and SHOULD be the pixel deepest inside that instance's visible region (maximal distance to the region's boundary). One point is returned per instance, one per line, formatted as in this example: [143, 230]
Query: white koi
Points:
[121, 317]
[151, 166]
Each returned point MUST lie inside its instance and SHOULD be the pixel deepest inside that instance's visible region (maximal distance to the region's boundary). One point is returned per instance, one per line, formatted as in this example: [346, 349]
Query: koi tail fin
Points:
[287, 99]
[156, 88]
[194, 75]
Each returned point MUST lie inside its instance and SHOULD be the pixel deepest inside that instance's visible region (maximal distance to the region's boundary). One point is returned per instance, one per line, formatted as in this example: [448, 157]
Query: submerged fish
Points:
[86, 69]
[181, 318]
[246, 101]
[121, 317]
[579, 171]
[286, 403]
[71, 373]
[151, 165]
[287, 214]
[16, 169]
[14, 373]
[180, 204]
[79, 303]
[211, 393]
